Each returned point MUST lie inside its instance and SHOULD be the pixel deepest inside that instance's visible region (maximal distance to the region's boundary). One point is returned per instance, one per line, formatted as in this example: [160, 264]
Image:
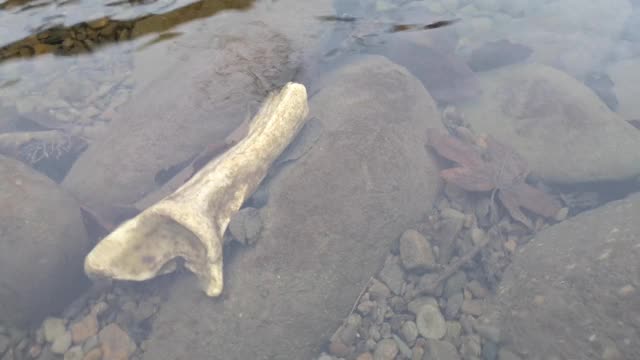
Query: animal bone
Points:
[190, 222]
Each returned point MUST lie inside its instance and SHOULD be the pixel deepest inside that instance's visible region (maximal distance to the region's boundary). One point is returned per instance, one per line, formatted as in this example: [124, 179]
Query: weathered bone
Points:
[190, 223]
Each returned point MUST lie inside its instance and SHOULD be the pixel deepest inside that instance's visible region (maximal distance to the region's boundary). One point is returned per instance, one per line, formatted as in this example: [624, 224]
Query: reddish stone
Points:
[115, 343]
[84, 329]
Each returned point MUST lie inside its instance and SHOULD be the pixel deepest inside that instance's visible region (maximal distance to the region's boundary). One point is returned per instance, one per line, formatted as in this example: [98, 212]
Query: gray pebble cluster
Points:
[401, 315]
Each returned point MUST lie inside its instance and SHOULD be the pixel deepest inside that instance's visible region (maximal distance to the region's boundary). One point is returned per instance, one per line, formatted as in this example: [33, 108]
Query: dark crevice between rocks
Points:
[587, 196]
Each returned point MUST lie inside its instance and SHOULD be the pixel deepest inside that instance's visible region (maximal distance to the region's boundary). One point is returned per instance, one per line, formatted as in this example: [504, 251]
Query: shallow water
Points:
[111, 99]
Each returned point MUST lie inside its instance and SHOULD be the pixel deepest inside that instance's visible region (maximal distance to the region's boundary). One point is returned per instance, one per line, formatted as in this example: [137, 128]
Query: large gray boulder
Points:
[42, 246]
[191, 93]
[564, 131]
[328, 224]
[572, 292]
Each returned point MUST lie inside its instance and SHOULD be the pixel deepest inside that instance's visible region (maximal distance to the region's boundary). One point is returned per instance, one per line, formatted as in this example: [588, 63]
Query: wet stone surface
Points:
[429, 299]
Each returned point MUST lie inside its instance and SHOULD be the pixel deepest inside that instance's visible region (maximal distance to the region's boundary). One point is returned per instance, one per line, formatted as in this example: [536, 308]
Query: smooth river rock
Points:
[43, 242]
[329, 221]
[572, 292]
[563, 130]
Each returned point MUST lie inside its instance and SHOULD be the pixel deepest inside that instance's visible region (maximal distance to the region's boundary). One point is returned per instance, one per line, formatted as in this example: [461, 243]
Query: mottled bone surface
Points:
[190, 223]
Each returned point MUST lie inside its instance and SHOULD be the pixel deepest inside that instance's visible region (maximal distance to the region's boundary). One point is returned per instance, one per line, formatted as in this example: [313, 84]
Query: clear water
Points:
[70, 70]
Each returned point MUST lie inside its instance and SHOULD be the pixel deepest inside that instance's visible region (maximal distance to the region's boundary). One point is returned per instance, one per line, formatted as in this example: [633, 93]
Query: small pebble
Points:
[366, 307]
[75, 353]
[455, 284]
[84, 329]
[442, 350]
[417, 303]
[469, 220]
[115, 343]
[370, 344]
[538, 300]
[415, 252]
[488, 332]
[379, 290]
[409, 332]
[450, 213]
[467, 294]
[337, 348]
[472, 307]
[61, 344]
[454, 330]
[349, 330]
[478, 236]
[90, 343]
[418, 353]
[430, 322]
[385, 330]
[454, 304]
[511, 245]
[392, 274]
[364, 356]
[386, 349]
[398, 304]
[99, 308]
[245, 226]
[467, 321]
[562, 214]
[404, 349]
[470, 347]
[425, 285]
[477, 289]
[53, 328]
[34, 351]
[93, 354]
[374, 333]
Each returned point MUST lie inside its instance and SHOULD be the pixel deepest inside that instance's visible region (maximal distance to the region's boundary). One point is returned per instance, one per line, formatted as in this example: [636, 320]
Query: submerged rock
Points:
[561, 128]
[572, 291]
[447, 77]
[43, 242]
[330, 219]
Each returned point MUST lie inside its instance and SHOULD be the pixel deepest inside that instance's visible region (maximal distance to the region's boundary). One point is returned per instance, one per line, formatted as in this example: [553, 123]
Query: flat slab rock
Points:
[572, 292]
[328, 224]
[563, 130]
